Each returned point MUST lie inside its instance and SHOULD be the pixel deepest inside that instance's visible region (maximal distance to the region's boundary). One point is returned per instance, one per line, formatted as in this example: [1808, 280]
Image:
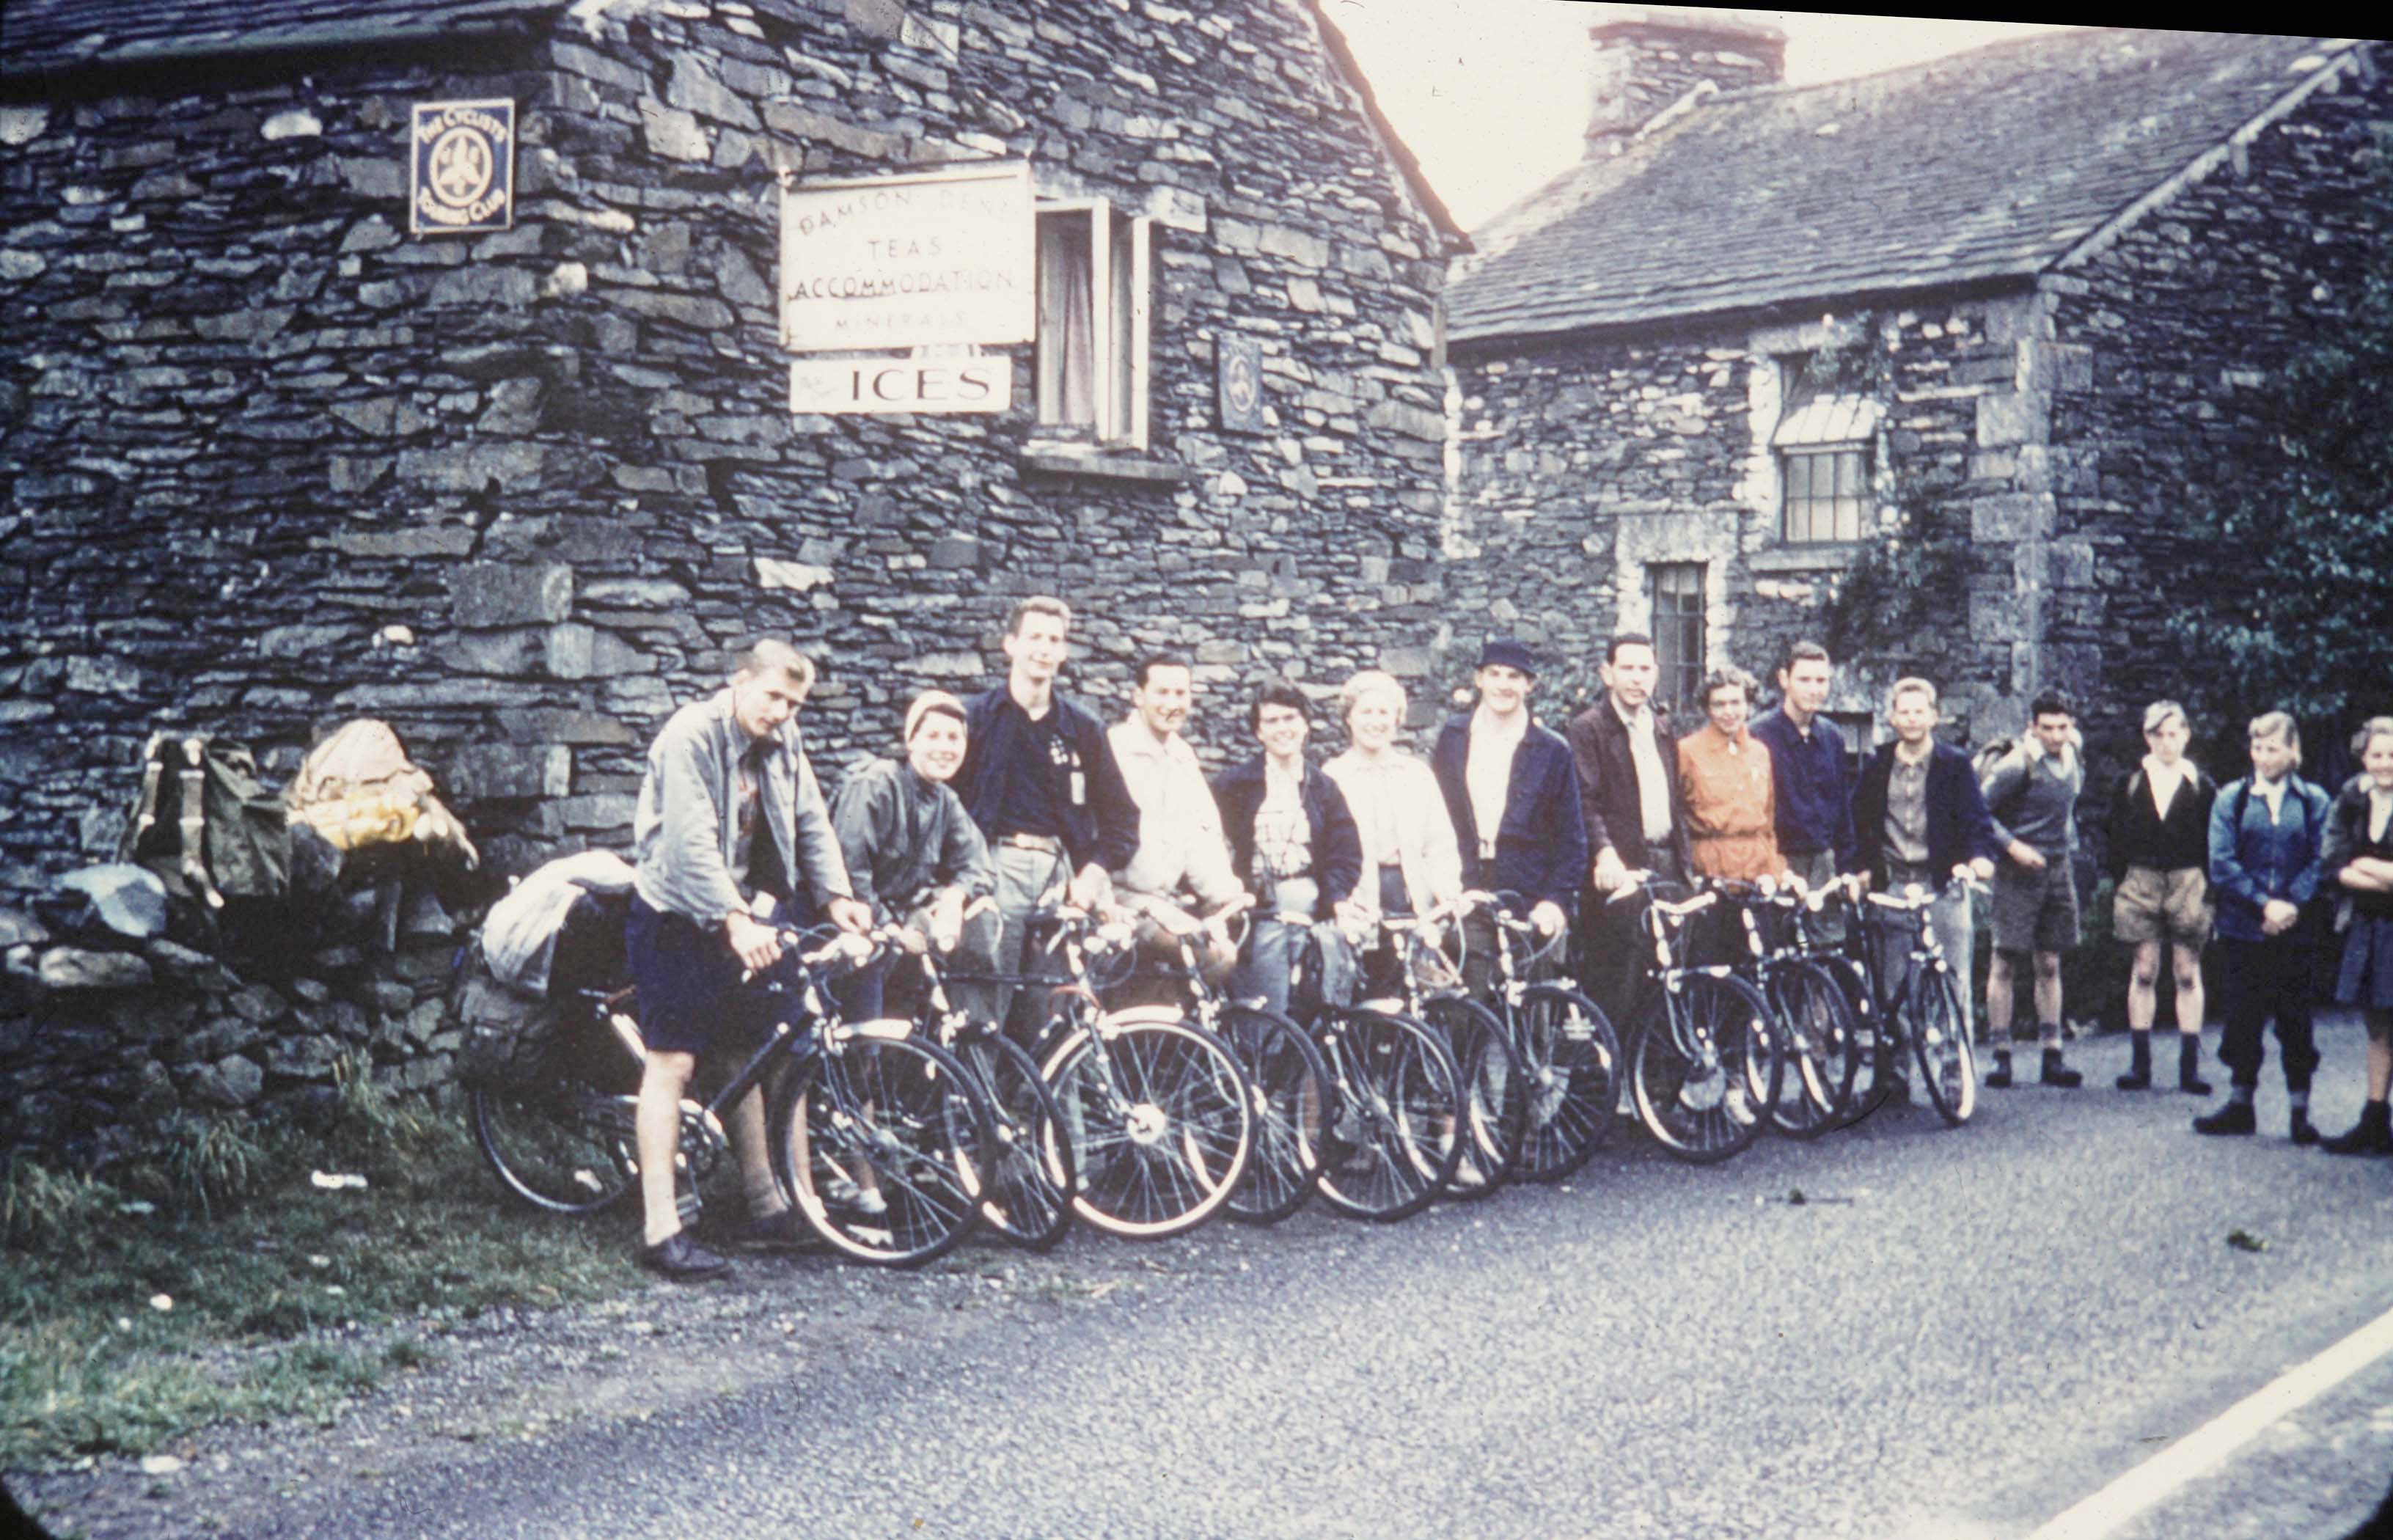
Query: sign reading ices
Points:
[462, 167]
[901, 384]
[946, 257]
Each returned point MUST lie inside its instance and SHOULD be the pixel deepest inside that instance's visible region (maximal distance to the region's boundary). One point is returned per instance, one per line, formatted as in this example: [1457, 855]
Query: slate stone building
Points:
[274, 460]
[1971, 330]
[275, 457]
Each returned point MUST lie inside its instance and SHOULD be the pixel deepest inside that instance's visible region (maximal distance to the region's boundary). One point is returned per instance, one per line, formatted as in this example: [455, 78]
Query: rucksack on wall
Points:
[204, 815]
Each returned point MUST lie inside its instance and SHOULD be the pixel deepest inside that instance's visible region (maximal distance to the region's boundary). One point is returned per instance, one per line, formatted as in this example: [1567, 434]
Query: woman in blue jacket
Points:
[2266, 833]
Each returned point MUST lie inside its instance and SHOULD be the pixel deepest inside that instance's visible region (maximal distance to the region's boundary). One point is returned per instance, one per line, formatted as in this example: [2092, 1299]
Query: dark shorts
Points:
[691, 994]
[2035, 911]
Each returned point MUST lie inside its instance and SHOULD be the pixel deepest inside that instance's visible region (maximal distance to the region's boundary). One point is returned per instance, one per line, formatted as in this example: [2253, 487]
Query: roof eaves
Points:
[2348, 56]
[1670, 316]
[508, 18]
[1392, 144]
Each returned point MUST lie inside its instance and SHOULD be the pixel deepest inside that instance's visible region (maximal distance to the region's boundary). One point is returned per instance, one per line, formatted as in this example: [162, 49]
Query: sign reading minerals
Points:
[905, 261]
[462, 166]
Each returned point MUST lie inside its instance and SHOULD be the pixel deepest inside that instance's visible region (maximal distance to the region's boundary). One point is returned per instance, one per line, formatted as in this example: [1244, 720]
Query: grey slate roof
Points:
[1985, 165]
[45, 35]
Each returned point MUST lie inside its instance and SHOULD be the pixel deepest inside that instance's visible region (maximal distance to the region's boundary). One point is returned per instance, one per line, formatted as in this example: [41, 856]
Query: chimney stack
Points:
[1648, 56]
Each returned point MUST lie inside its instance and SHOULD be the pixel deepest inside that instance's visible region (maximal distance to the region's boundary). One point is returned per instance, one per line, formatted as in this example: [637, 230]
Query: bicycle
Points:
[1704, 1055]
[1816, 1025]
[1392, 1145]
[1287, 1085]
[1031, 1167]
[1157, 1109]
[1922, 1007]
[852, 1110]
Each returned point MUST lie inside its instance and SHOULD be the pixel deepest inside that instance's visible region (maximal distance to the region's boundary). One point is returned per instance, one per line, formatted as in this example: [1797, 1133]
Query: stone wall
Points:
[1582, 463]
[272, 463]
[2186, 317]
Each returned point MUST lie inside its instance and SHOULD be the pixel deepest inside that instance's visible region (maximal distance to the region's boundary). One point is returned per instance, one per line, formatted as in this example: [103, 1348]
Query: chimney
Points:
[1648, 56]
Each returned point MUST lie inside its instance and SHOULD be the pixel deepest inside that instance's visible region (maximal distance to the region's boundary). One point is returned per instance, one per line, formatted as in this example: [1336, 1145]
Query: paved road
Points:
[1954, 1334]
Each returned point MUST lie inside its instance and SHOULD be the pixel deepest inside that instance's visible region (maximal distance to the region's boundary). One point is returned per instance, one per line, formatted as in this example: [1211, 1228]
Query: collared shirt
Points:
[1179, 838]
[1906, 811]
[1731, 817]
[2162, 781]
[1652, 775]
[2273, 793]
[1488, 774]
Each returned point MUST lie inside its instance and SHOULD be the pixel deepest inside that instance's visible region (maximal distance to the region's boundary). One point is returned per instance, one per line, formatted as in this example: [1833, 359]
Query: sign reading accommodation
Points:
[462, 167]
[908, 261]
[901, 384]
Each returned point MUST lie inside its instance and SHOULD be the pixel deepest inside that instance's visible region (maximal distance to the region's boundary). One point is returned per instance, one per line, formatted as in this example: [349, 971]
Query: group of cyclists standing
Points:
[1007, 804]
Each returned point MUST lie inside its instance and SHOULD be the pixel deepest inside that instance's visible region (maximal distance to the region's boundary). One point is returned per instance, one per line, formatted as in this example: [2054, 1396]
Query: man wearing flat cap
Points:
[1512, 795]
[1635, 815]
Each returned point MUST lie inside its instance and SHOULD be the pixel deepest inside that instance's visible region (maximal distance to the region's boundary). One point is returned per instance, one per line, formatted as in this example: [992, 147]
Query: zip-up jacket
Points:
[905, 837]
[689, 814]
[1541, 846]
[1100, 824]
[2254, 859]
[1337, 847]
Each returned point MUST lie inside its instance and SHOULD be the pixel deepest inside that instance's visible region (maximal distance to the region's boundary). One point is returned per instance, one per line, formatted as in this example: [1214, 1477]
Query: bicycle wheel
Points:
[1400, 1104]
[565, 1149]
[1030, 1173]
[1823, 1057]
[1693, 1077]
[1940, 1035]
[1495, 1091]
[1571, 1060]
[1159, 1116]
[882, 1145]
[1288, 1092]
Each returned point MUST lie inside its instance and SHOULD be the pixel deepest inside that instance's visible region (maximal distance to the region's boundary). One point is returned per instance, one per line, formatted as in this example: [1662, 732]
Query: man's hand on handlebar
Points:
[851, 915]
[1548, 918]
[755, 944]
[1610, 874]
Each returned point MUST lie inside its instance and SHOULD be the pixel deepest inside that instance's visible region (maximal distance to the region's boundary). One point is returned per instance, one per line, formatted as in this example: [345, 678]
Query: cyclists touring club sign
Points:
[462, 167]
[945, 259]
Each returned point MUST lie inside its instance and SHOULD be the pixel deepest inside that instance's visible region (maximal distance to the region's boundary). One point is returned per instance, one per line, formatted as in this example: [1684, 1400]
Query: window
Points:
[1678, 632]
[1094, 277]
[1824, 443]
[1860, 736]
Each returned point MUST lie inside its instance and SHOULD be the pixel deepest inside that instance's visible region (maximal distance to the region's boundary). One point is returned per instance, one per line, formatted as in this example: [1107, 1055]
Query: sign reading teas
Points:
[906, 261]
[900, 384]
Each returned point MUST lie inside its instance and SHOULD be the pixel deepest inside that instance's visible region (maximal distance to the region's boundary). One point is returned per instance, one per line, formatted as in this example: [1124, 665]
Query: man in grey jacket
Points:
[729, 814]
[2033, 793]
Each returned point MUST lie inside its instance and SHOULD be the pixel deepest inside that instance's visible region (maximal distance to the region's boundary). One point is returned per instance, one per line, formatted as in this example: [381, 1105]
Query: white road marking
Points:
[2207, 1447]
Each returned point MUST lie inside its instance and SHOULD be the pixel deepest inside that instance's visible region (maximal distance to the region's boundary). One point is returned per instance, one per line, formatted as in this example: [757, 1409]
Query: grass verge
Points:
[218, 1284]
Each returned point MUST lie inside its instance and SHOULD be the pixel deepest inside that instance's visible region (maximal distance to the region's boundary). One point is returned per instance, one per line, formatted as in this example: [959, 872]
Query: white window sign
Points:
[900, 384]
[910, 261]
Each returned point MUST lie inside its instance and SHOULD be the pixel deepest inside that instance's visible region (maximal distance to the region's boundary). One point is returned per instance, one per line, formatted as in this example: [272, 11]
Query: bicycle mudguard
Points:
[887, 1028]
[1141, 1016]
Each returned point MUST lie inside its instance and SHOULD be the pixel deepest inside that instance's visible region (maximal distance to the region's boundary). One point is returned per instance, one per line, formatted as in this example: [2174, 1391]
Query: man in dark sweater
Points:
[1811, 781]
[1040, 779]
[2033, 791]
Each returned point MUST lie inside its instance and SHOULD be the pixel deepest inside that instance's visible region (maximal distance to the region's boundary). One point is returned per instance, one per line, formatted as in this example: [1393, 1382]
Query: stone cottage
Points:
[496, 367]
[1929, 361]
[283, 448]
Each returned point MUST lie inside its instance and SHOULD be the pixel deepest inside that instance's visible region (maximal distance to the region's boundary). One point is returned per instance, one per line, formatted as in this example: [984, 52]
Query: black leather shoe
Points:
[1999, 1078]
[683, 1260]
[2305, 1131]
[2372, 1135]
[2059, 1074]
[786, 1230]
[2234, 1117]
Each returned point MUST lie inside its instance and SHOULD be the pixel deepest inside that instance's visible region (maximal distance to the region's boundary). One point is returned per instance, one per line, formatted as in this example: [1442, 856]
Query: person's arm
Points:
[1340, 855]
[1570, 855]
[1587, 765]
[2227, 872]
[2305, 885]
[964, 860]
[1978, 824]
[818, 856]
[1210, 875]
[1109, 803]
[2000, 785]
[689, 833]
[864, 815]
[1429, 832]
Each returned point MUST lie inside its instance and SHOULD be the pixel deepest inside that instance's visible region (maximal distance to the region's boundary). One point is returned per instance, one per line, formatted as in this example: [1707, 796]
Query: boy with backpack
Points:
[2032, 791]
